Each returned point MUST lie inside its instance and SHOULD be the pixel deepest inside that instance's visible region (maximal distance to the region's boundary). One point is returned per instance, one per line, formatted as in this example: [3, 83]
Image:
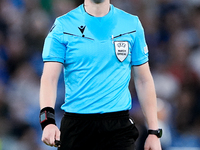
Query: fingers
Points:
[57, 139]
[49, 140]
[51, 135]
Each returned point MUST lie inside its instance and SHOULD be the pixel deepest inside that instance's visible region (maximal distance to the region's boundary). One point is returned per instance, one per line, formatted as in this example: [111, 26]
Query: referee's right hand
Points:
[51, 133]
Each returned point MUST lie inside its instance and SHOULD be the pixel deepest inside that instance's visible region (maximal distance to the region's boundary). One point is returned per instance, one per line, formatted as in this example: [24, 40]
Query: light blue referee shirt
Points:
[97, 54]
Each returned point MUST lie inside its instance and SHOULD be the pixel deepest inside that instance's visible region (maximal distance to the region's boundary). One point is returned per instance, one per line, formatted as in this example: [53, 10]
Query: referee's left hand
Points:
[152, 143]
[51, 133]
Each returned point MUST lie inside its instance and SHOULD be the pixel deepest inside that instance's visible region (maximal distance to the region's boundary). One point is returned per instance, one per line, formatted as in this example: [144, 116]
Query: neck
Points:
[97, 9]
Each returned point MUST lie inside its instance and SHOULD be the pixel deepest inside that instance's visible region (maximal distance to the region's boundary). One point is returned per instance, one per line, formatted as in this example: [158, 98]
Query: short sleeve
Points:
[139, 53]
[54, 49]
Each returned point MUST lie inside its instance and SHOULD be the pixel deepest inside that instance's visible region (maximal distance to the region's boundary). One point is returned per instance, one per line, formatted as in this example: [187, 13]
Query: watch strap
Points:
[158, 132]
[47, 116]
[50, 115]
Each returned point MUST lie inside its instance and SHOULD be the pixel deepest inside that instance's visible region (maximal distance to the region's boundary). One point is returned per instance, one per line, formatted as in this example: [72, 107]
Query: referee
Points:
[97, 44]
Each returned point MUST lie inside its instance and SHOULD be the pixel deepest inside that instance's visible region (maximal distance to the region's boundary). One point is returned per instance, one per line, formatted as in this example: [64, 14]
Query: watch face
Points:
[159, 133]
[43, 117]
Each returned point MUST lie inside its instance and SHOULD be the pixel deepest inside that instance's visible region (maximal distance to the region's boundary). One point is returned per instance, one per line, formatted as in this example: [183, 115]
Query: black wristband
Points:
[47, 116]
[158, 132]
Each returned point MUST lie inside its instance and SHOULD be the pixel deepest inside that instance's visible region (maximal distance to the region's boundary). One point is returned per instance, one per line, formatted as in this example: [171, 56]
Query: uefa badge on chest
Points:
[121, 50]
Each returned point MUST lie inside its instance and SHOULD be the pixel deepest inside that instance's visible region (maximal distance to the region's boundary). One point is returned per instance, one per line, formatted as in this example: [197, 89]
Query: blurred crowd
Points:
[172, 29]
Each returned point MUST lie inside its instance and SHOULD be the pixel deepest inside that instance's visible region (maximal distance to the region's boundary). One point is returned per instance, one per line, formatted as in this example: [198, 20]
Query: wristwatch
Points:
[45, 115]
[158, 132]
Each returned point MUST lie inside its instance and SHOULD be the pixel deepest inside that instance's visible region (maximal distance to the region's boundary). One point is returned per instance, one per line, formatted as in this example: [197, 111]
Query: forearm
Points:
[147, 97]
[48, 92]
[146, 94]
[48, 84]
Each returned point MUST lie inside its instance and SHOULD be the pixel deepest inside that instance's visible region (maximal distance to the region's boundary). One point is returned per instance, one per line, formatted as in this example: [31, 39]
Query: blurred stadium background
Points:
[172, 30]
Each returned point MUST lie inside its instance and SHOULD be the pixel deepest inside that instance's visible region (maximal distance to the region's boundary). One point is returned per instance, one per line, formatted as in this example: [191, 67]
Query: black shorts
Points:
[109, 131]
